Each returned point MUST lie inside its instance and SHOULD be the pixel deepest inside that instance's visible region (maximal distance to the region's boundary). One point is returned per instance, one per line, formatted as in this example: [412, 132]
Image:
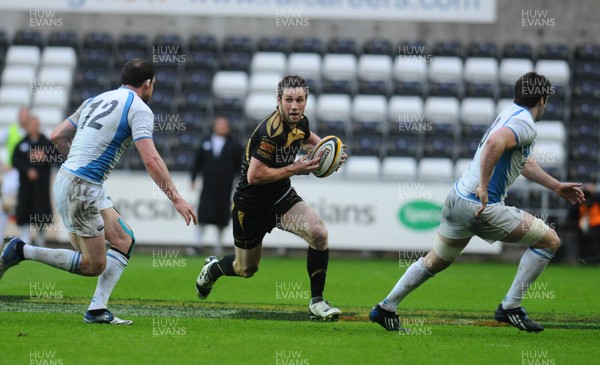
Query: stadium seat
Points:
[59, 56]
[57, 76]
[19, 75]
[483, 49]
[410, 75]
[404, 144]
[264, 82]
[584, 109]
[587, 51]
[54, 97]
[503, 104]
[365, 143]
[582, 129]
[200, 79]
[551, 131]
[435, 169]
[235, 61]
[557, 71]
[23, 56]
[258, 105]
[269, 62]
[196, 98]
[126, 54]
[584, 150]
[173, 40]
[517, 50]
[166, 77]
[481, 77]
[205, 60]
[163, 98]
[339, 73]
[230, 84]
[238, 43]
[403, 112]
[334, 114]
[374, 74]
[308, 65]
[479, 111]
[27, 37]
[556, 109]
[99, 57]
[583, 171]
[63, 38]
[49, 116]
[554, 51]
[368, 113]
[202, 42]
[97, 40]
[342, 46]
[443, 113]
[8, 114]
[378, 46]
[469, 142]
[448, 49]
[137, 41]
[367, 167]
[509, 72]
[273, 44]
[583, 88]
[461, 166]
[307, 45]
[445, 76]
[399, 168]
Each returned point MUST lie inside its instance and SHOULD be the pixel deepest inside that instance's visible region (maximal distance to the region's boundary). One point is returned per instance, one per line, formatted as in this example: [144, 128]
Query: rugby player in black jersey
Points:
[265, 199]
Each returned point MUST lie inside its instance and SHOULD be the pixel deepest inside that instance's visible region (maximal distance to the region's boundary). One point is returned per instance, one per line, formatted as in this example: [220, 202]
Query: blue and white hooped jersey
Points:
[511, 162]
[106, 125]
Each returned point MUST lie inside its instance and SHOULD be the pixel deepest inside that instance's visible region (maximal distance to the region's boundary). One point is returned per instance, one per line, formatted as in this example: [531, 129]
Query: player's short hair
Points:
[291, 81]
[136, 71]
[531, 88]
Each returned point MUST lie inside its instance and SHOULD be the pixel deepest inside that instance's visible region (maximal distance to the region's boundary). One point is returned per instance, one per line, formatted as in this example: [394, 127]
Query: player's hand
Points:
[482, 194]
[186, 211]
[304, 166]
[343, 157]
[32, 174]
[571, 192]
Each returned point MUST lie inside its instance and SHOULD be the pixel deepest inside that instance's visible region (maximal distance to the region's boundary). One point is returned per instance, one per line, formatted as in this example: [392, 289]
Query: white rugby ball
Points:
[329, 152]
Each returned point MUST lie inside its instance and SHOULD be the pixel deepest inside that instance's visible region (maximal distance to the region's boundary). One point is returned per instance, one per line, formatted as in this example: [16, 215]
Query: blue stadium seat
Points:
[587, 69]
[405, 144]
[201, 60]
[93, 76]
[366, 144]
[583, 88]
[588, 52]
[198, 79]
[238, 43]
[584, 150]
[168, 40]
[584, 109]
[555, 109]
[97, 40]
[94, 57]
[517, 50]
[133, 41]
[448, 49]
[438, 145]
[469, 142]
[581, 129]
[63, 38]
[166, 77]
[203, 42]
[583, 171]
[307, 45]
[126, 54]
[236, 61]
[162, 98]
[379, 46]
[342, 46]
[26, 37]
[273, 44]
[554, 51]
[483, 49]
[195, 98]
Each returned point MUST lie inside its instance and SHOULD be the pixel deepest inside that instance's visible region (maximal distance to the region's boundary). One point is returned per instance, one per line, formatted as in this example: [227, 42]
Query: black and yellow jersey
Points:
[275, 144]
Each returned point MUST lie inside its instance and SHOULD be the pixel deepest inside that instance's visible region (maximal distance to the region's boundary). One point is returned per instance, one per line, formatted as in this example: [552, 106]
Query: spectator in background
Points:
[587, 216]
[33, 158]
[218, 160]
[10, 137]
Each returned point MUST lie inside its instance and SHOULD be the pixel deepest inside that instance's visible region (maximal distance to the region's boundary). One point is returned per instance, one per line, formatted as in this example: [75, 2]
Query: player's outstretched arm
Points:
[62, 136]
[259, 173]
[494, 147]
[569, 191]
[160, 174]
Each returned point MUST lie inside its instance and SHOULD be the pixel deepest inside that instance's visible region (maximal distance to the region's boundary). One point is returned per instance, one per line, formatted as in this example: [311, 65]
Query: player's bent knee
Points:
[94, 268]
[318, 236]
[550, 241]
[248, 272]
[445, 251]
[536, 234]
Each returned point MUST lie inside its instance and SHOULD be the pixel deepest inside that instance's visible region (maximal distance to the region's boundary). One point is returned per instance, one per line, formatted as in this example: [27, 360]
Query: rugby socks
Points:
[316, 265]
[223, 267]
[63, 259]
[533, 262]
[415, 275]
[116, 262]
[25, 234]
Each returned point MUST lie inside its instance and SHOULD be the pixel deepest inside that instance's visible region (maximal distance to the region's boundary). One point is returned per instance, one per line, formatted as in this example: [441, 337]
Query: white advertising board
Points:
[286, 12]
[359, 215]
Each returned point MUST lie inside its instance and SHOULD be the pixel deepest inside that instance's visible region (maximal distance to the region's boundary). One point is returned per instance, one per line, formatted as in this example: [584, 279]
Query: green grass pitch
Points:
[263, 320]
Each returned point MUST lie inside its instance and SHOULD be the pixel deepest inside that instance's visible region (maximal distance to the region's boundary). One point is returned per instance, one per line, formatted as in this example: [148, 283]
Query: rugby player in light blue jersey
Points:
[94, 138]
[475, 207]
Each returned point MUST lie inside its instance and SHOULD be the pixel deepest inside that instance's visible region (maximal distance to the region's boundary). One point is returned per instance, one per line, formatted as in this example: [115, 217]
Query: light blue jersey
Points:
[511, 162]
[106, 125]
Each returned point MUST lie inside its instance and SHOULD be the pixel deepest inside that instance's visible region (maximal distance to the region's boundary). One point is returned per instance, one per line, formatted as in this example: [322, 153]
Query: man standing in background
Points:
[219, 160]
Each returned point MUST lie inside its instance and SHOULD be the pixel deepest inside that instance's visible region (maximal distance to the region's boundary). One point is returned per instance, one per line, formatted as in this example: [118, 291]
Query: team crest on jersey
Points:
[266, 150]
[274, 126]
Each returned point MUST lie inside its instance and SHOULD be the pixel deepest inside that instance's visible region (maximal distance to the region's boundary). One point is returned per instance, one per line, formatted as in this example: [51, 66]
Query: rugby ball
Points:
[329, 152]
